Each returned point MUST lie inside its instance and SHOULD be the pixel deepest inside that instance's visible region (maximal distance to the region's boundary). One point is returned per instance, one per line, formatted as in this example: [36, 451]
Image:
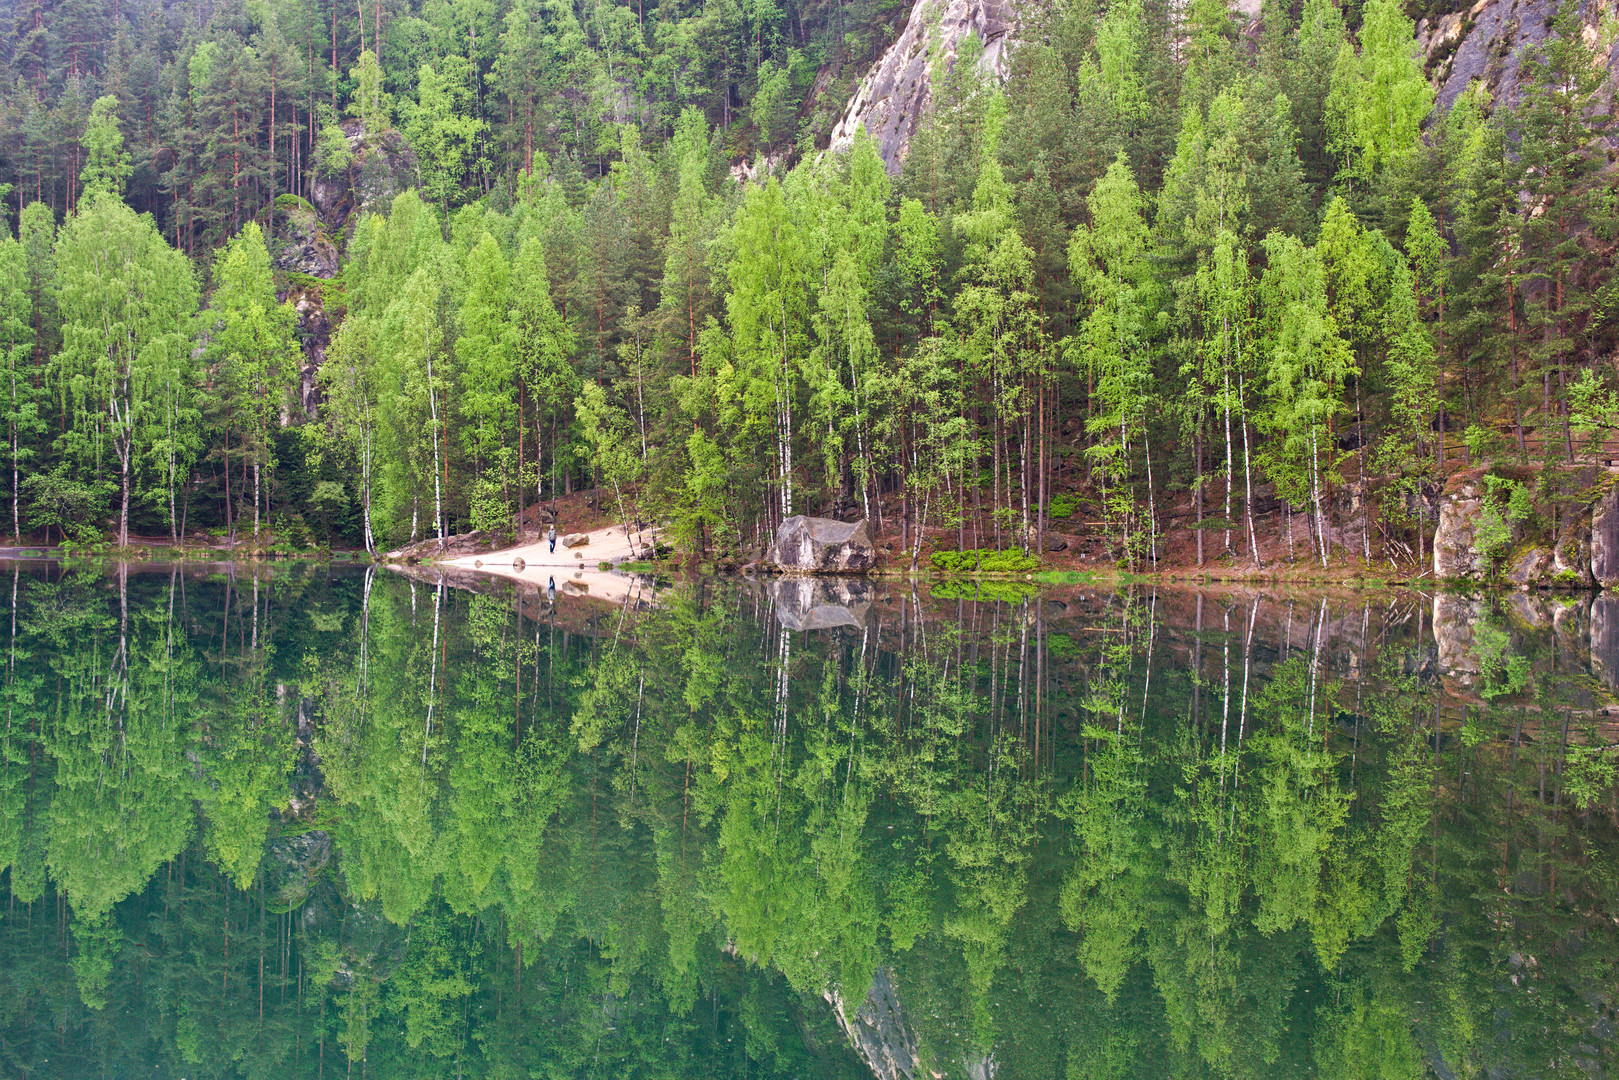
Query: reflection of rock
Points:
[879, 1032]
[1605, 638]
[808, 604]
[291, 864]
[1453, 553]
[1529, 612]
[575, 588]
[810, 545]
[1453, 619]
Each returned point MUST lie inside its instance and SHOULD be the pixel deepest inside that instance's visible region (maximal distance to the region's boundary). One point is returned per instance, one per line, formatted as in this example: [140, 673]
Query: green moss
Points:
[290, 203]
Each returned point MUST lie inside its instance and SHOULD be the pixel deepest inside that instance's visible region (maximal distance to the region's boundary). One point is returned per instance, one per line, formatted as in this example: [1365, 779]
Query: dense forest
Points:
[310, 822]
[1171, 258]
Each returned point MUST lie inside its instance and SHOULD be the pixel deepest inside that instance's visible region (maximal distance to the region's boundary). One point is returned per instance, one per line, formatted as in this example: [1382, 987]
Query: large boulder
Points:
[812, 545]
[1454, 555]
[1605, 539]
[300, 241]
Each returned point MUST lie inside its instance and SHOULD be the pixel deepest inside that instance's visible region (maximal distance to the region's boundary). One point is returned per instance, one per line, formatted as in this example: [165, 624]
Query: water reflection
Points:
[312, 821]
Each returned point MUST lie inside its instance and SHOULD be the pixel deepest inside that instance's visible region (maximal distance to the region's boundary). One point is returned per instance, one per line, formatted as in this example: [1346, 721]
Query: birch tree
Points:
[126, 301]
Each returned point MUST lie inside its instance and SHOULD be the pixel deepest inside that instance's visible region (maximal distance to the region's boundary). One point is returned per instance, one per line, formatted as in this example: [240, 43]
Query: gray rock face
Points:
[1571, 557]
[808, 604]
[1453, 553]
[879, 1032]
[811, 545]
[1487, 42]
[1605, 539]
[383, 166]
[895, 92]
[302, 244]
[1528, 568]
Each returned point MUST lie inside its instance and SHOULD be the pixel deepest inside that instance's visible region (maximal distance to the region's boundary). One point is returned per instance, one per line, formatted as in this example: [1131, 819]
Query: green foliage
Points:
[983, 562]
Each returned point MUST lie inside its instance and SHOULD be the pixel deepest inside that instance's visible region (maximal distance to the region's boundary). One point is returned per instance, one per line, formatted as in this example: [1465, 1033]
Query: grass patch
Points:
[637, 566]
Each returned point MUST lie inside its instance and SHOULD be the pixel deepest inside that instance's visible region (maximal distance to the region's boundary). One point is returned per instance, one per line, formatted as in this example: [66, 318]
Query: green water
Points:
[337, 823]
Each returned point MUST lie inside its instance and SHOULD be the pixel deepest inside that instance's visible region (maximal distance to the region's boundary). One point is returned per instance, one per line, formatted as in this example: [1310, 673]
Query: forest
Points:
[1174, 263]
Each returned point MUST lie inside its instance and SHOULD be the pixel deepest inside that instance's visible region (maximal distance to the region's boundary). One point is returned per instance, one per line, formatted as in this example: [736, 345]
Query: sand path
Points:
[574, 571]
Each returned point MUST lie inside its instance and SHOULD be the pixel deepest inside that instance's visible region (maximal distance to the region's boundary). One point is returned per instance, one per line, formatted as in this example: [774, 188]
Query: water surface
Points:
[310, 822]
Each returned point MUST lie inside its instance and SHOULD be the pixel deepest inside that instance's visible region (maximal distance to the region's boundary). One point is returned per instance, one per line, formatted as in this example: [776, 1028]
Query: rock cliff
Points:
[892, 98]
[1474, 540]
[1487, 41]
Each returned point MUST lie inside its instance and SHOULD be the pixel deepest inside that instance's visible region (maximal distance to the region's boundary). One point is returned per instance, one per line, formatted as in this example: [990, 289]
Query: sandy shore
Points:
[572, 571]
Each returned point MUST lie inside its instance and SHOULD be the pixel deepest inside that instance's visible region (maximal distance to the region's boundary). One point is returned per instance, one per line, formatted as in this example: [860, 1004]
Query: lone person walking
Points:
[551, 535]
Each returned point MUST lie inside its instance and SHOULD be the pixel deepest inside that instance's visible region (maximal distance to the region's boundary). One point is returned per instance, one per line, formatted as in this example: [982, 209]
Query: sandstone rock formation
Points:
[812, 545]
[1454, 555]
[1605, 539]
[381, 167]
[894, 95]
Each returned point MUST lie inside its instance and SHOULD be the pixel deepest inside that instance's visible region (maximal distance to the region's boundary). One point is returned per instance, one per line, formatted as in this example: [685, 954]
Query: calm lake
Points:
[328, 822]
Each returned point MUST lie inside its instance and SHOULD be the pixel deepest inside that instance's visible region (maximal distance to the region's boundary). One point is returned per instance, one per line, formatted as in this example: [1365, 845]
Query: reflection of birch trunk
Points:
[11, 657]
[432, 675]
[118, 669]
[1225, 705]
[362, 682]
[1315, 661]
[1242, 716]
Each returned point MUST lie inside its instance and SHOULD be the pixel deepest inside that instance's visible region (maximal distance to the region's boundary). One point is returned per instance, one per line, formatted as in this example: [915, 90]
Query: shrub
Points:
[980, 561]
[1063, 506]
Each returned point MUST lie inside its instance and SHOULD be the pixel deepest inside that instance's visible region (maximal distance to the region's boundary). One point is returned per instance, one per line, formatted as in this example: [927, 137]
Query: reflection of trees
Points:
[1124, 839]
